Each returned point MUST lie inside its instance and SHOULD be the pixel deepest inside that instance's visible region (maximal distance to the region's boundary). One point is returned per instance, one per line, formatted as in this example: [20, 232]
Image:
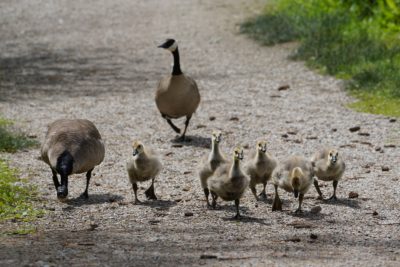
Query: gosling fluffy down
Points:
[143, 165]
[177, 94]
[72, 146]
[228, 181]
[295, 174]
[211, 163]
[328, 166]
[260, 168]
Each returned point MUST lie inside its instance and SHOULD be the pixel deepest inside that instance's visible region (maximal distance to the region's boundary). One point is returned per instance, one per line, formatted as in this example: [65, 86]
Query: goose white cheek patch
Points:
[173, 47]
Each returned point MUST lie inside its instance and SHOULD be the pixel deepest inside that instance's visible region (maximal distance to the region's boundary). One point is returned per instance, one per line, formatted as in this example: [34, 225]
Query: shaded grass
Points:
[335, 43]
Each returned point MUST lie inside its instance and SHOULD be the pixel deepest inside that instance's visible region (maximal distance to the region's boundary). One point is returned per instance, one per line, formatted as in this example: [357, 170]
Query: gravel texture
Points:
[98, 60]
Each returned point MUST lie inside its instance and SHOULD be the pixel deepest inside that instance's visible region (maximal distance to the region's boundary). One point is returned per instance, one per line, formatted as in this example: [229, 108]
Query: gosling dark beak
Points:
[62, 192]
[296, 193]
[135, 152]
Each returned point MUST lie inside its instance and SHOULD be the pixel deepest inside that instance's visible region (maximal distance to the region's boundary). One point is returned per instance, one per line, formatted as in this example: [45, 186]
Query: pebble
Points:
[363, 134]
[385, 168]
[316, 209]
[234, 119]
[313, 236]
[212, 118]
[378, 148]
[353, 194]
[283, 87]
[207, 256]
[285, 135]
[354, 129]
[188, 214]
[392, 120]
[375, 213]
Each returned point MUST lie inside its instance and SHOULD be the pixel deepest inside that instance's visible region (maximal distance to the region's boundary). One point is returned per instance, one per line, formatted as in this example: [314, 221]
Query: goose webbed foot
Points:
[84, 195]
[298, 211]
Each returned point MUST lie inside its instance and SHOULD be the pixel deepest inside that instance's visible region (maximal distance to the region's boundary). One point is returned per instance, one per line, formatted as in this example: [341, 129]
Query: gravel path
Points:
[98, 60]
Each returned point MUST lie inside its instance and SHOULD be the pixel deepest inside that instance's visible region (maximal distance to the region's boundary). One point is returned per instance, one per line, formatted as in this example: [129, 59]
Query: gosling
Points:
[142, 166]
[72, 146]
[295, 175]
[260, 168]
[229, 182]
[210, 164]
[177, 94]
[328, 166]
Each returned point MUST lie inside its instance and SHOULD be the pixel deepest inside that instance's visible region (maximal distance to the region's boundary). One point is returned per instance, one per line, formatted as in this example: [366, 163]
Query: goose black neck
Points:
[176, 70]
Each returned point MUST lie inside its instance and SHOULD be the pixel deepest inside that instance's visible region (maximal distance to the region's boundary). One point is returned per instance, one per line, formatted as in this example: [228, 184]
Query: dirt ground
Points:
[98, 60]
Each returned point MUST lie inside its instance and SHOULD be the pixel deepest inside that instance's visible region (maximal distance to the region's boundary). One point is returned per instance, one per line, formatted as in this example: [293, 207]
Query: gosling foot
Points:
[263, 196]
[150, 193]
[277, 205]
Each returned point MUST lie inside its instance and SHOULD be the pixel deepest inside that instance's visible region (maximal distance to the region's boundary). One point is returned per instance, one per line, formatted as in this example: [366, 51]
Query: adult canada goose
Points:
[328, 166]
[228, 181]
[142, 166]
[295, 175]
[210, 164]
[260, 168]
[177, 94]
[72, 146]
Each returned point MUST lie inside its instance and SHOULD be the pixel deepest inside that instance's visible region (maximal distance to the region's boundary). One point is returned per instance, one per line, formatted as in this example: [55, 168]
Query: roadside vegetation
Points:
[17, 196]
[355, 40]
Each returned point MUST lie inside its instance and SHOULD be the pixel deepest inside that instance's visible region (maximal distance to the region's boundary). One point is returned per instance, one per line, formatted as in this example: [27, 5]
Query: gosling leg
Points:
[318, 190]
[277, 204]
[214, 200]
[176, 129]
[263, 194]
[207, 193]
[237, 216]
[333, 197]
[150, 191]
[55, 179]
[135, 188]
[253, 190]
[301, 196]
[85, 194]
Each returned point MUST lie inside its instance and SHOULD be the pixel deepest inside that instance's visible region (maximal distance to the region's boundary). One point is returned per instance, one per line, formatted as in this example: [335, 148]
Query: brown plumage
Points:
[142, 166]
[177, 95]
[260, 168]
[328, 166]
[295, 175]
[72, 146]
[228, 181]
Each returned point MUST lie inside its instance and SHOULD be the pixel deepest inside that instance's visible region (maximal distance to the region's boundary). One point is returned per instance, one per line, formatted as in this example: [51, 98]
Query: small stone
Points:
[207, 256]
[363, 133]
[316, 209]
[375, 213]
[169, 154]
[354, 129]
[274, 96]
[201, 126]
[334, 130]
[178, 199]
[97, 184]
[188, 214]
[292, 132]
[187, 172]
[246, 146]
[368, 171]
[186, 188]
[283, 87]
[312, 137]
[93, 226]
[378, 148]
[212, 118]
[353, 194]
[234, 118]
[390, 146]
[313, 236]
[385, 168]
[392, 120]
[285, 135]
[177, 145]
[294, 239]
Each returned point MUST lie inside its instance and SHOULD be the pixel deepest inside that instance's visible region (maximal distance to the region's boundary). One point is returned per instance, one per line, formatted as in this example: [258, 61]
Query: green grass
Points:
[16, 196]
[11, 141]
[337, 41]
